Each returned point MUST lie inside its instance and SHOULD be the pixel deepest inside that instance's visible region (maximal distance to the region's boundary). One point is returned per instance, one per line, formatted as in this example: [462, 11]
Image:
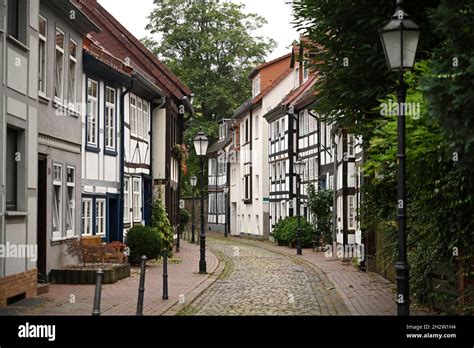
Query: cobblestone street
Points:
[258, 281]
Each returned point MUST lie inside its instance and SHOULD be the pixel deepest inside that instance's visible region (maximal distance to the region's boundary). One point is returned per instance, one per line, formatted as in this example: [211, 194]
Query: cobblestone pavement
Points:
[258, 281]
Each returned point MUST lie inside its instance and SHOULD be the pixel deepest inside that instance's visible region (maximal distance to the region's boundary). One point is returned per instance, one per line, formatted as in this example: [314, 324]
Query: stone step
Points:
[42, 289]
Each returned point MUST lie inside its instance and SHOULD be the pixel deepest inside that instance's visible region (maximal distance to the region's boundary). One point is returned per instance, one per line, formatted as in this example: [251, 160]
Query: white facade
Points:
[253, 209]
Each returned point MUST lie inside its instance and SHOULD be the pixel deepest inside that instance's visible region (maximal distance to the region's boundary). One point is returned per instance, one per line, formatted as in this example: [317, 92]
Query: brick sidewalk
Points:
[121, 298]
[364, 293]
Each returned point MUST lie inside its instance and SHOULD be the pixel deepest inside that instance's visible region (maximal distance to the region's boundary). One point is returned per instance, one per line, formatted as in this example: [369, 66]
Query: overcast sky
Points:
[132, 14]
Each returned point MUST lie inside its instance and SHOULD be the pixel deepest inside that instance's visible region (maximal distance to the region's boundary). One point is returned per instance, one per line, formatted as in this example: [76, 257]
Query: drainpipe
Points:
[154, 106]
[122, 155]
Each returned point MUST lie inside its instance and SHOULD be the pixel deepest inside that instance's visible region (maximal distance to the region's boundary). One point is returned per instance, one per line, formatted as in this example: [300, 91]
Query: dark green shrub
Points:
[184, 218]
[160, 221]
[144, 240]
[285, 231]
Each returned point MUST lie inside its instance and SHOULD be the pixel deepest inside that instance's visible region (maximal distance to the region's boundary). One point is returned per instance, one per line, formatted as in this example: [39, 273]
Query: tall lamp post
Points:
[193, 181]
[400, 39]
[226, 196]
[200, 145]
[299, 166]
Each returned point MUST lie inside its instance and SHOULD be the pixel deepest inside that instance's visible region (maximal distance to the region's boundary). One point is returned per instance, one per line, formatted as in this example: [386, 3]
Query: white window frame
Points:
[139, 129]
[137, 202]
[126, 199]
[71, 203]
[59, 75]
[257, 124]
[146, 116]
[87, 217]
[133, 114]
[351, 207]
[256, 86]
[57, 202]
[92, 122]
[109, 120]
[100, 216]
[42, 57]
[72, 76]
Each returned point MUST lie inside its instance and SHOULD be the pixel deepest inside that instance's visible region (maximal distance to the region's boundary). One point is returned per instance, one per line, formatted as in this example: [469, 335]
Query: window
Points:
[71, 97]
[306, 122]
[92, 112]
[71, 209]
[351, 144]
[351, 212]
[59, 67]
[256, 86]
[137, 204]
[17, 26]
[126, 199]
[42, 54]
[110, 101]
[297, 77]
[301, 124]
[100, 216]
[146, 124]
[12, 169]
[311, 169]
[133, 114]
[57, 200]
[87, 216]
[139, 117]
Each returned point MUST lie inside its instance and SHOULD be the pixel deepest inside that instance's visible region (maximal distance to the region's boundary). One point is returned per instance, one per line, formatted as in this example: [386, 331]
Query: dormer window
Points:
[223, 131]
[305, 71]
[297, 77]
[256, 86]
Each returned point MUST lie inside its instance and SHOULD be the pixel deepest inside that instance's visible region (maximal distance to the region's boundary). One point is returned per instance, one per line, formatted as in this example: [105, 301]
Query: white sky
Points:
[132, 14]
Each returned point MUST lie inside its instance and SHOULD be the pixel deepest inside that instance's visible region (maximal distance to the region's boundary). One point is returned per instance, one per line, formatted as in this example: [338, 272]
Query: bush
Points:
[144, 240]
[160, 222]
[285, 231]
[184, 218]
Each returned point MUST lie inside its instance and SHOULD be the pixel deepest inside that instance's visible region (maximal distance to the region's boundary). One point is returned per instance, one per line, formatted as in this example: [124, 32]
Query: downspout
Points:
[122, 155]
[153, 107]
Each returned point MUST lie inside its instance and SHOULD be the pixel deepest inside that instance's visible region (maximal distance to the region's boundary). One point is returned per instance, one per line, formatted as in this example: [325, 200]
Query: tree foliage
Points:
[319, 204]
[440, 142]
[211, 47]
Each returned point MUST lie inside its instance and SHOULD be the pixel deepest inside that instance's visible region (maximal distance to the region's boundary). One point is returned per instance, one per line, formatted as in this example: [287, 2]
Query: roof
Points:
[298, 97]
[264, 65]
[274, 78]
[95, 49]
[221, 144]
[122, 44]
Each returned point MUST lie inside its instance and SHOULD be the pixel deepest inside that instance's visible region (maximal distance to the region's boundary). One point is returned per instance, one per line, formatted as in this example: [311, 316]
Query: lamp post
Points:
[400, 40]
[193, 181]
[299, 166]
[200, 145]
[226, 196]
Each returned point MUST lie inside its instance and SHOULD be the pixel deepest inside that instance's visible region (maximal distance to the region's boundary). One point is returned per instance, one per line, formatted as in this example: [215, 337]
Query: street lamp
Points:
[226, 196]
[400, 40]
[193, 181]
[200, 145]
[299, 166]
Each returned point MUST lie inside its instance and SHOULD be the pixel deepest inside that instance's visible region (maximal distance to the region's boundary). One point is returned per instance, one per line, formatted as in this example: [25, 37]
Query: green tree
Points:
[348, 55]
[161, 222]
[211, 47]
[319, 204]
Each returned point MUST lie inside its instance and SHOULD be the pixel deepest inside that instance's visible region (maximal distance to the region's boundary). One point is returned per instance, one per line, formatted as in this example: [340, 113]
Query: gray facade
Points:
[59, 130]
[18, 134]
